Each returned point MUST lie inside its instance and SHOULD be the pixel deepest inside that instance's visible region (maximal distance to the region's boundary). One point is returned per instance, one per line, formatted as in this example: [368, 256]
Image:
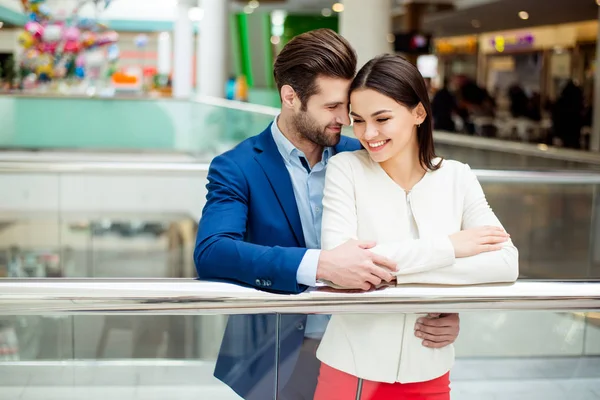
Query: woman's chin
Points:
[378, 157]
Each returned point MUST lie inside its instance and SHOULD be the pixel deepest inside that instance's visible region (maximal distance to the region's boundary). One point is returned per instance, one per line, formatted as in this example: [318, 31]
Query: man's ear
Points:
[420, 114]
[288, 96]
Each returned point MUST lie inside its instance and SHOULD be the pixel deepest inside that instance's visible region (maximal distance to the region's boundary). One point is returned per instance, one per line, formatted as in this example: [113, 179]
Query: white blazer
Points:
[362, 202]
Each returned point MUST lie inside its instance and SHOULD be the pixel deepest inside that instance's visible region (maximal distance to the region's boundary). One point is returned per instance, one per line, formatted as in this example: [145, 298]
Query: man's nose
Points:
[343, 119]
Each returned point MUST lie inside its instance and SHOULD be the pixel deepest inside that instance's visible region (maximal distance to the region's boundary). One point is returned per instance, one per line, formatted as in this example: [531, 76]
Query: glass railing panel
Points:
[137, 356]
[516, 341]
[496, 159]
[554, 226]
[97, 246]
[119, 124]
[498, 355]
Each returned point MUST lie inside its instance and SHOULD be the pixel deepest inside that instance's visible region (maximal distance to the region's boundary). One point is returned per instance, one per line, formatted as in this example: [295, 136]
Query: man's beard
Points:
[308, 128]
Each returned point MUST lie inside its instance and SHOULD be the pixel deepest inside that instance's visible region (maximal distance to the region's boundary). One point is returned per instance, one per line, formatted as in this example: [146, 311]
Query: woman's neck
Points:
[405, 168]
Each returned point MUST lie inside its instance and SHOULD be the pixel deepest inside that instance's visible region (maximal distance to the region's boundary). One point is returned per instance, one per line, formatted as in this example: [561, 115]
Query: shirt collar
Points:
[288, 150]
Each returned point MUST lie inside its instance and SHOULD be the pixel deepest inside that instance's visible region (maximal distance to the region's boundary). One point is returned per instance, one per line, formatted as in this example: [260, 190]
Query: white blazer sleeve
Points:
[340, 225]
[489, 267]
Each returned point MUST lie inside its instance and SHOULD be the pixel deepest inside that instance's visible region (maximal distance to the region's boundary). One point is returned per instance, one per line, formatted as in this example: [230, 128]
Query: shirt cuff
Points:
[307, 271]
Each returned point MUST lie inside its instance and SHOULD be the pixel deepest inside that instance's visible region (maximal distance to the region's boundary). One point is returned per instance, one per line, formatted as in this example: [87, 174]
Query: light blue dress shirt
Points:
[308, 184]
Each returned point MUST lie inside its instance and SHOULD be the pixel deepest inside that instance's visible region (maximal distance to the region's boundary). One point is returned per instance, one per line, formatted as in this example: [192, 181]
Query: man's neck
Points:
[311, 150]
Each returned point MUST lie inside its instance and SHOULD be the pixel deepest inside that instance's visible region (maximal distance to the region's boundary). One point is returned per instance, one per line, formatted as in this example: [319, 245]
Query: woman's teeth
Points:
[377, 144]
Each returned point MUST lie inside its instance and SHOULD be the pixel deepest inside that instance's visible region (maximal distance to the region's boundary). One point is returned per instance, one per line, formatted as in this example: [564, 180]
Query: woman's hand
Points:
[471, 242]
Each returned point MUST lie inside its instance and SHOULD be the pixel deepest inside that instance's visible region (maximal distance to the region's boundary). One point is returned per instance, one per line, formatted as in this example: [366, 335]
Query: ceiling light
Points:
[253, 4]
[477, 24]
[248, 10]
[275, 39]
[523, 15]
[196, 14]
[326, 12]
[338, 7]
[278, 17]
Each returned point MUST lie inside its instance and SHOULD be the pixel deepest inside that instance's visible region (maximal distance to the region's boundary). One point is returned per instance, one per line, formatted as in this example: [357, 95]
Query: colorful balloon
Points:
[52, 33]
[35, 28]
[72, 34]
[72, 47]
[25, 39]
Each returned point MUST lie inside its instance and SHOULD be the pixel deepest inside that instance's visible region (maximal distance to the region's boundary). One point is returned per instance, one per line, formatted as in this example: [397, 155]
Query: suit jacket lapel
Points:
[274, 168]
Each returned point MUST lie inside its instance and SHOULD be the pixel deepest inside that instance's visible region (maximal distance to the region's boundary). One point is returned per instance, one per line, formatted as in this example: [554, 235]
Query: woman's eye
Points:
[382, 119]
[357, 121]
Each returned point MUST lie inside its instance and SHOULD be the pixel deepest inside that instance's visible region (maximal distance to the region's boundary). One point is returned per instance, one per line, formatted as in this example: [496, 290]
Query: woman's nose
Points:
[371, 133]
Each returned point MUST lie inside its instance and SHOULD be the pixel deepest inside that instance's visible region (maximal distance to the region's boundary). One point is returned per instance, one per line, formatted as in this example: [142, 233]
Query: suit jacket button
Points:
[258, 283]
[300, 326]
[268, 283]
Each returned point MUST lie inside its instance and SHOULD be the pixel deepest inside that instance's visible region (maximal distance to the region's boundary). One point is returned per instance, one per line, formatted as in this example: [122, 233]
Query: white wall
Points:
[8, 40]
[152, 10]
[14, 5]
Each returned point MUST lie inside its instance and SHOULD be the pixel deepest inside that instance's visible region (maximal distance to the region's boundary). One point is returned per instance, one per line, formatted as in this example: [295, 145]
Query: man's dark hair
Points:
[320, 52]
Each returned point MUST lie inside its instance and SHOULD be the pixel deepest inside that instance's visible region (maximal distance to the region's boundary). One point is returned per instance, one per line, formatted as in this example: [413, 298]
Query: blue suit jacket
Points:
[250, 233]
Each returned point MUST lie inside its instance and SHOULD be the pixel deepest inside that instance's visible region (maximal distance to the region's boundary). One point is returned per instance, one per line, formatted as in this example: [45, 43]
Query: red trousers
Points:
[338, 385]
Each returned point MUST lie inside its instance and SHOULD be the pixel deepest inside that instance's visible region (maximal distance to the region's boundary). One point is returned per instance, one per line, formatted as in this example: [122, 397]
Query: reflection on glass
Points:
[500, 355]
[137, 246]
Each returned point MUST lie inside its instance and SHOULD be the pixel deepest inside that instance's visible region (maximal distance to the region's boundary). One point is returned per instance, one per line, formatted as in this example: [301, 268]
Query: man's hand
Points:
[352, 266]
[438, 330]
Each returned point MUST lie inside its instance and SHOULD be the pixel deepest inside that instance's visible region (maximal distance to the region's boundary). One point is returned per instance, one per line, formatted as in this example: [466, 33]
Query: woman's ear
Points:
[288, 96]
[419, 114]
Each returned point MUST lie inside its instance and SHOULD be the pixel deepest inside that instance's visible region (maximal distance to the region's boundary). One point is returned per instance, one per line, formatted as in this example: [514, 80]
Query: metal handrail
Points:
[186, 296]
[119, 167]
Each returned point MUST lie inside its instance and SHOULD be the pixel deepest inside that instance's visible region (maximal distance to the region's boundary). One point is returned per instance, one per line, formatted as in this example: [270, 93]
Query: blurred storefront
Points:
[457, 56]
[540, 59]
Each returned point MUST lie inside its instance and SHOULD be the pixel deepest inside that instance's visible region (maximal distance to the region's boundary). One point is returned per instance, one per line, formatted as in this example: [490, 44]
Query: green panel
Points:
[245, 48]
[124, 25]
[295, 25]
[11, 16]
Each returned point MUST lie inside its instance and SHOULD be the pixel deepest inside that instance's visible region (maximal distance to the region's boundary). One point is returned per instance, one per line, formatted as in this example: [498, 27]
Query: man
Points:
[262, 221]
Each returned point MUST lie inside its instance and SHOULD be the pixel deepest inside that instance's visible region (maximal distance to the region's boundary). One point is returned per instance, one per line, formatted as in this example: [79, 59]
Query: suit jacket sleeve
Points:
[222, 253]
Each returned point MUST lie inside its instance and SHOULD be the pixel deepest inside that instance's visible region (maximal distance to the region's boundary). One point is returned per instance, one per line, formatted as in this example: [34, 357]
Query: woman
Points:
[427, 214]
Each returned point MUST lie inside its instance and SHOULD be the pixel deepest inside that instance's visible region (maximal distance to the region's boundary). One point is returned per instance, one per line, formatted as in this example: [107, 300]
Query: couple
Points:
[299, 203]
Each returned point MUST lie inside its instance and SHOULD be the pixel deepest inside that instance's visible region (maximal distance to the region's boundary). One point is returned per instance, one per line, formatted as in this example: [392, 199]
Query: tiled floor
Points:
[472, 379]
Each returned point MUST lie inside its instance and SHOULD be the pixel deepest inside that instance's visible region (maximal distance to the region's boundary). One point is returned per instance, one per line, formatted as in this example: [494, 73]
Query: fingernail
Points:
[420, 320]
[426, 343]
[418, 334]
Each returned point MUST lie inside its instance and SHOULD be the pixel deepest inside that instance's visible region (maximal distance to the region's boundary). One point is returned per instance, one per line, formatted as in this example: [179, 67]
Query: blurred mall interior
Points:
[112, 110]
